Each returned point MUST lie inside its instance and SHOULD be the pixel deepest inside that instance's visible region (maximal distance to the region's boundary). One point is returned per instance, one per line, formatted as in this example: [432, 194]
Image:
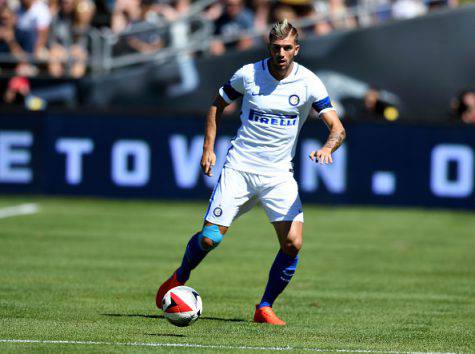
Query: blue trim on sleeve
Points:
[322, 104]
[231, 92]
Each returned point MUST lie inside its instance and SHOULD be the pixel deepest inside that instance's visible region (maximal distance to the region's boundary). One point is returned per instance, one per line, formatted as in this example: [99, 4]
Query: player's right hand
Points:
[208, 160]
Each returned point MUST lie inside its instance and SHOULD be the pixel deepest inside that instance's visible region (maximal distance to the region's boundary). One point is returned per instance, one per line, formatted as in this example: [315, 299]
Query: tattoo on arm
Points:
[335, 139]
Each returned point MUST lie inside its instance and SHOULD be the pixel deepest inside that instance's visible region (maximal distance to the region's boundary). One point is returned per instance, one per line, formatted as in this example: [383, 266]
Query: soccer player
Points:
[277, 95]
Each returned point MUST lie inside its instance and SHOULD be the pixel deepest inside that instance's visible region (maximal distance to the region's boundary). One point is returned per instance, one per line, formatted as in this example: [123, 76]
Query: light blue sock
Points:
[280, 274]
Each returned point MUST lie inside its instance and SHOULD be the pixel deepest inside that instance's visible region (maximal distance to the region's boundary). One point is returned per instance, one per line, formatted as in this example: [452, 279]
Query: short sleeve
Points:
[234, 88]
[318, 94]
[43, 17]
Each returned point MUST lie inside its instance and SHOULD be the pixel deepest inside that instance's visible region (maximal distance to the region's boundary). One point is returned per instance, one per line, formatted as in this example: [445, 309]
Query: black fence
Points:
[141, 157]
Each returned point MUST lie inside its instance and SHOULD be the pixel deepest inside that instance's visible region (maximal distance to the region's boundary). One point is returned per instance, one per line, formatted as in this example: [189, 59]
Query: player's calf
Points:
[196, 250]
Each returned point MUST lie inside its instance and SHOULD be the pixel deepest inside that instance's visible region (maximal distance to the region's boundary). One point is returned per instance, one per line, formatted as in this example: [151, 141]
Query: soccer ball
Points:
[182, 306]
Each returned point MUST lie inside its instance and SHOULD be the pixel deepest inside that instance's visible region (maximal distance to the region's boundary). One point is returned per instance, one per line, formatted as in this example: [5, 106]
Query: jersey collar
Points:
[290, 77]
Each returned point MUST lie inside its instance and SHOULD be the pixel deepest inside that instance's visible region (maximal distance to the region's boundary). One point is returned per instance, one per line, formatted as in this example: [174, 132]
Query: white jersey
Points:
[272, 115]
[37, 17]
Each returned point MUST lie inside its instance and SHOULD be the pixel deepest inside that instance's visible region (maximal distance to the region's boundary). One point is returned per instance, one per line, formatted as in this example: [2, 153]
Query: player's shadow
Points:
[204, 318]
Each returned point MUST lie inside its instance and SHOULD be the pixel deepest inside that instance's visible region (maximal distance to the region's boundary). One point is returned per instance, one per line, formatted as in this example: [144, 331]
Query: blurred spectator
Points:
[235, 19]
[335, 15]
[68, 40]
[8, 41]
[437, 4]
[340, 16]
[463, 107]
[18, 93]
[125, 12]
[18, 89]
[262, 11]
[146, 38]
[32, 26]
[372, 107]
[172, 10]
[404, 9]
[382, 12]
[282, 12]
[102, 16]
[294, 10]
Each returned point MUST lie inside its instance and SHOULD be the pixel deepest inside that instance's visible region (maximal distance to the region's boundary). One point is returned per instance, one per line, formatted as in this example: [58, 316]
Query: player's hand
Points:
[323, 156]
[208, 160]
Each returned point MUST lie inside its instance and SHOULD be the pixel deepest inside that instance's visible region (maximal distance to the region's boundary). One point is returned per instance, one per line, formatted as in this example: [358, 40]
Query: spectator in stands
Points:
[146, 39]
[334, 15]
[172, 10]
[124, 12]
[8, 41]
[281, 12]
[68, 41]
[404, 9]
[102, 16]
[301, 9]
[18, 93]
[463, 107]
[340, 16]
[18, 89]
[437, 4]
[235, 19]
[32, 26]
[262, 10]
[371, 107]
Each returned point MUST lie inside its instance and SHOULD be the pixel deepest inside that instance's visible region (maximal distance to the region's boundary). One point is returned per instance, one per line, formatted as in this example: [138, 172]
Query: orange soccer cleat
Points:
[170, 283]
[266, 315]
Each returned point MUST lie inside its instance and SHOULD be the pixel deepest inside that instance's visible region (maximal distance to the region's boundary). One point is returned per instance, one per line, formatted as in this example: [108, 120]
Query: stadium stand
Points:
[73, 33]
[54, 43]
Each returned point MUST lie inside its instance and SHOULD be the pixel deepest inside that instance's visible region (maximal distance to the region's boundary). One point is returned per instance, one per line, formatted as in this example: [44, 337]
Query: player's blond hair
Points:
[283, 29]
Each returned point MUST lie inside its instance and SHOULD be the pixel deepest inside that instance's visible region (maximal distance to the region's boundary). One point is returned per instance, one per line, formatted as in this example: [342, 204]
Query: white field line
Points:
[205, 346]
[22, 209]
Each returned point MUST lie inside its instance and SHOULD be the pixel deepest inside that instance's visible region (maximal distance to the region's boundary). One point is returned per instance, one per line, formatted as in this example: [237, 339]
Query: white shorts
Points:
[237, 192]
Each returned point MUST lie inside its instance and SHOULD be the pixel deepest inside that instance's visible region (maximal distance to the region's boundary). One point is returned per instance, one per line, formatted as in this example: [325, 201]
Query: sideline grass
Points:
[373, 279]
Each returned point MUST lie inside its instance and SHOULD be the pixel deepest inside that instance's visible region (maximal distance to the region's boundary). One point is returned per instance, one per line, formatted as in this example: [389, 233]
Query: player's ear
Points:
[297, 48]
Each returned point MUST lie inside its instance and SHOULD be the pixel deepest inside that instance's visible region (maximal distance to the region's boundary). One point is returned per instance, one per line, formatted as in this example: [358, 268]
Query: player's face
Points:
[282, 52]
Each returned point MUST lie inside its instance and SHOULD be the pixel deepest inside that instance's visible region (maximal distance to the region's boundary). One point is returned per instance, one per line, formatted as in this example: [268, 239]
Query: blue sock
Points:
[280, 274]
[194, 254]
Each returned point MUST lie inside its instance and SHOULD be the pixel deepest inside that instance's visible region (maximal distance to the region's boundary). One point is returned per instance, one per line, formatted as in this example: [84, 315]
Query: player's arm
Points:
[335, 138]
[212, 119]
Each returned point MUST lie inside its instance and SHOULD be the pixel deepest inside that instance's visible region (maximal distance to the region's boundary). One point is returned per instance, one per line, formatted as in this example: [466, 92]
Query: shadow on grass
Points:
[205, 318]
[165, 335]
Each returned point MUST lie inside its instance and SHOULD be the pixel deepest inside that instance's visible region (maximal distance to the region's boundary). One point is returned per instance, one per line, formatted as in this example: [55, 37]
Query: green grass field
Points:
[398, 280]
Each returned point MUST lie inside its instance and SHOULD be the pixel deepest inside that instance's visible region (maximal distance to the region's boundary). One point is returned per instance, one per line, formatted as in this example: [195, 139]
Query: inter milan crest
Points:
[217, 212]
[294, 100]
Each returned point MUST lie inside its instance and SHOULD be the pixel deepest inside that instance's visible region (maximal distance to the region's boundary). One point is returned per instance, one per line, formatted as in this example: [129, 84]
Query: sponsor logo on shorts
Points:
[294, 100]
[218, 212]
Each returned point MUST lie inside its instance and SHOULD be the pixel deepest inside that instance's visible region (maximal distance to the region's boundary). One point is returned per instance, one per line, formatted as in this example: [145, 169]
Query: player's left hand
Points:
[322, 156]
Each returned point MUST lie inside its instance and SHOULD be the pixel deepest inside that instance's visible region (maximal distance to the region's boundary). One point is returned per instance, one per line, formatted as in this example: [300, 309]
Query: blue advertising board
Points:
[159, 157]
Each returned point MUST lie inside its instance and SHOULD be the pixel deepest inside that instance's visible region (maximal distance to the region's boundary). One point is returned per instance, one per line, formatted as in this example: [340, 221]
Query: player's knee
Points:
[292, 247]
[210, 237]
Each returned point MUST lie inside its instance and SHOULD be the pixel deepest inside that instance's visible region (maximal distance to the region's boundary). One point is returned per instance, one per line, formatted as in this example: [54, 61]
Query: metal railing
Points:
[179, 35]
